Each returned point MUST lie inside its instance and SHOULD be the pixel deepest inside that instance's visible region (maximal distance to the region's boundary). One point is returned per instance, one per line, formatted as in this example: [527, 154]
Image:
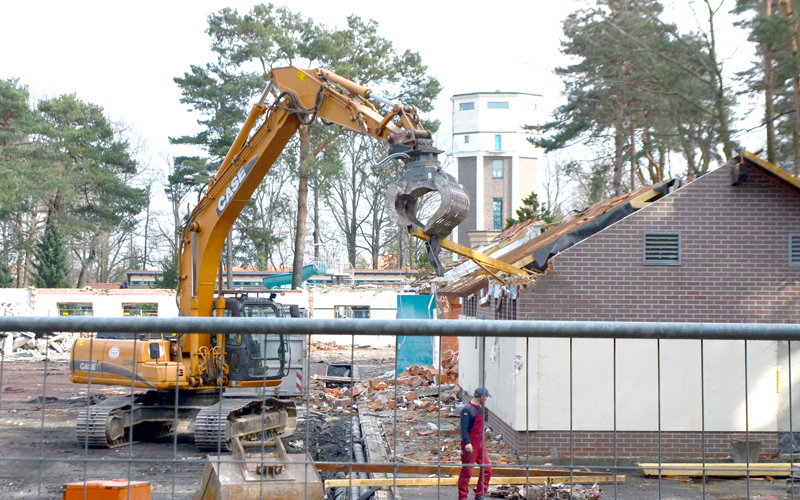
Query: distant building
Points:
[251, 278]
[495, 163]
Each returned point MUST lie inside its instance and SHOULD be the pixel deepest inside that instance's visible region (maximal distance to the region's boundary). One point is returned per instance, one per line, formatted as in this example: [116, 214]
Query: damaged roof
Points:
[536, 253]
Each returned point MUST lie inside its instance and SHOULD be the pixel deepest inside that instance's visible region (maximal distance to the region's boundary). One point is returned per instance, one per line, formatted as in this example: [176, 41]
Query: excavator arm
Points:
[305, 95]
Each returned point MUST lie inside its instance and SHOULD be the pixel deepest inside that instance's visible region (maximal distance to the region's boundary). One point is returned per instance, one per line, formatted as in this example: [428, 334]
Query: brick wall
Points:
[466, 176]
[734, 268]
[734, 260]
[496, 188]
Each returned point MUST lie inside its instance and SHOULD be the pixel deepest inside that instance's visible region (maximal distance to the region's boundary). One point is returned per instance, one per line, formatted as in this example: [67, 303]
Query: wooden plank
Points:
[453, 481]
[471, 254]
[335, 380]
[644, 199]
[375, 451]
[718, 470]
[445, 470]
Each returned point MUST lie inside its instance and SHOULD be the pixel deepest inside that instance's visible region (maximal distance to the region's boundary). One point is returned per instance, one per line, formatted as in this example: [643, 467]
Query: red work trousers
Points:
[477, 457]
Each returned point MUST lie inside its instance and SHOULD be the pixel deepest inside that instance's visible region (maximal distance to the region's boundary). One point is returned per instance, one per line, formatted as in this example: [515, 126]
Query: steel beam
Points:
[408, 327]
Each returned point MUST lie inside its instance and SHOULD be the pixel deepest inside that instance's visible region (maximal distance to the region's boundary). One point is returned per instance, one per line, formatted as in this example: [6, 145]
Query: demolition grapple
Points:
[423, 174]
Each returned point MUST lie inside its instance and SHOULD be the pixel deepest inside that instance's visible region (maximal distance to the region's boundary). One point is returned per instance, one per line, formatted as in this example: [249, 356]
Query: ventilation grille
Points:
[662, 249]
[794, 250]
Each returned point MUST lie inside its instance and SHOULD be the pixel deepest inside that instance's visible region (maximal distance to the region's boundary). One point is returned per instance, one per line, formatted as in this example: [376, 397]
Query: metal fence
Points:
[39, 452]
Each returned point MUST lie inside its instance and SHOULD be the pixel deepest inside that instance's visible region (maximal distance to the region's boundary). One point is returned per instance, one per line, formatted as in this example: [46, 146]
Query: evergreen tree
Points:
[52, 267]
[169, 272]
[531, 210]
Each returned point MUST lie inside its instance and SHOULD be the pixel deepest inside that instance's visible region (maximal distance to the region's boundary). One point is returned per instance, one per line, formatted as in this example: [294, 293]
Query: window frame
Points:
[497, 105]
[495, 171]
[794, 241]
[495, 214]
[466, 106]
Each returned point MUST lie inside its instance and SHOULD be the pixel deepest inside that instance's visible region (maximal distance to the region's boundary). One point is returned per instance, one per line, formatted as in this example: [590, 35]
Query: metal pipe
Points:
[407, 327]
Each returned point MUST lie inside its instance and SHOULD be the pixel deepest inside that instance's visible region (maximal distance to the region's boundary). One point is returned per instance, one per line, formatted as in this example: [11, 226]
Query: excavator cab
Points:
[254, 356]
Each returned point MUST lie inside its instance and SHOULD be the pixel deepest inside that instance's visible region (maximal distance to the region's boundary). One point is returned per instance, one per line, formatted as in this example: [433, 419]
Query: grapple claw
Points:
[420, 178]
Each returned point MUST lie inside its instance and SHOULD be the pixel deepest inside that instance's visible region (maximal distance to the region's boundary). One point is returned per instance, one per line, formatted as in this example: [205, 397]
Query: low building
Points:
[724, 248]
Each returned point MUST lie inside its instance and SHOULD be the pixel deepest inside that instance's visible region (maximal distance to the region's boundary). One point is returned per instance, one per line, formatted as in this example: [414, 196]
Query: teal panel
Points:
[414, 350]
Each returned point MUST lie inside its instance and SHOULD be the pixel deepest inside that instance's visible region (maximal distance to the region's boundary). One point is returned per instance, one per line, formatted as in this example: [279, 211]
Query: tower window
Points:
[497, 214]
[498, 104]
[466, 139]
[498, 142]
[466, 106]
[497, 169]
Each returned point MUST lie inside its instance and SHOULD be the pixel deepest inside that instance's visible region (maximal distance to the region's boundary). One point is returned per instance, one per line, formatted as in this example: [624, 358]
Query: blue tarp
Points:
[414, 350]
[285, 280]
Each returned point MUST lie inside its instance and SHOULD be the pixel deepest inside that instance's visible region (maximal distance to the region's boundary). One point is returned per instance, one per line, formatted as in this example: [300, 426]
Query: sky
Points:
[123, 56]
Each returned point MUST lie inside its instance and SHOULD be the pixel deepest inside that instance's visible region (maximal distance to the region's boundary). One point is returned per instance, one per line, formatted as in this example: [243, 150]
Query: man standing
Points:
[472, 450]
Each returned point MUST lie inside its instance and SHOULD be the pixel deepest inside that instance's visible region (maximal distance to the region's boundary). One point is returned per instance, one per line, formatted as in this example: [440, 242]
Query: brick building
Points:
[495, 162]
[723, 248]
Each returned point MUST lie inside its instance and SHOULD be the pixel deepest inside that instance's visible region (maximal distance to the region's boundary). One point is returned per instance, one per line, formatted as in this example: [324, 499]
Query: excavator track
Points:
[217, 425]
[102, 425]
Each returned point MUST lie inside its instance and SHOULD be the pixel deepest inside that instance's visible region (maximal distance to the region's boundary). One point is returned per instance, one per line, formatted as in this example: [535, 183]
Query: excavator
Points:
[185, 374]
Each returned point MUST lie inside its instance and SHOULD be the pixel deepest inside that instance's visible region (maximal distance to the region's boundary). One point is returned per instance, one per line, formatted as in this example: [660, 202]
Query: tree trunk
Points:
[316, 219]
[633, 155]
[719, 89]
[376, 239]
[786, 5]
[619, 138]
[302, 211]
[769, 84]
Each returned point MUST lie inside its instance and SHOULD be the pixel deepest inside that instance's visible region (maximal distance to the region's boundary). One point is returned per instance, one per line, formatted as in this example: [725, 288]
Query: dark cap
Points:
[482, 391]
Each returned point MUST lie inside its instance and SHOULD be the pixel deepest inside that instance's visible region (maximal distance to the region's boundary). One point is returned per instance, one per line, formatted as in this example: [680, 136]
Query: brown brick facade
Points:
[493, 187]
[466, 176]
[734, 260]
[734, 268]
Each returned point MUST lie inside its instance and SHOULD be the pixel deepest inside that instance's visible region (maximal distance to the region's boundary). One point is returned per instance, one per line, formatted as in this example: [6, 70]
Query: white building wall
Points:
[105, 303]
[637, 383]
[382, 305]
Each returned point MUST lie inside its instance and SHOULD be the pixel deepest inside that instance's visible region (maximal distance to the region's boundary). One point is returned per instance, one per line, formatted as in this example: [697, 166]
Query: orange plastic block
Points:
[116, 489]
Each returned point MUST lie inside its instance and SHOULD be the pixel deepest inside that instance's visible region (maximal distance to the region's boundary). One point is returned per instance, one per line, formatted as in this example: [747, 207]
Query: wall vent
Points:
[662, 249]
[794, 250]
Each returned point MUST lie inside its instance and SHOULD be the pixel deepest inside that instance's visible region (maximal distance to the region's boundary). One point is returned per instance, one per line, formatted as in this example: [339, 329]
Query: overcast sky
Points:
[124, 55]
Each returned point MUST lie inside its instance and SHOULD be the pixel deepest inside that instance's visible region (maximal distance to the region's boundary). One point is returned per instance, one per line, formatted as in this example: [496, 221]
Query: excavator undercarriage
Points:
[116, 421]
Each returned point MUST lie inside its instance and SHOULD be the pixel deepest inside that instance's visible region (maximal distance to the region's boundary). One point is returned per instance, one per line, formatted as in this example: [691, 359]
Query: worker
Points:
[473, 452]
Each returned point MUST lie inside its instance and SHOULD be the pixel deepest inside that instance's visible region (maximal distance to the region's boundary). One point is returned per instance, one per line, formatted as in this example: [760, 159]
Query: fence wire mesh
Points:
[575, 403]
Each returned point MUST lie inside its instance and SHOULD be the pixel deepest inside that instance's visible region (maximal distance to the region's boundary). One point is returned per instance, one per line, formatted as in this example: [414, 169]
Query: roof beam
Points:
[477, 257]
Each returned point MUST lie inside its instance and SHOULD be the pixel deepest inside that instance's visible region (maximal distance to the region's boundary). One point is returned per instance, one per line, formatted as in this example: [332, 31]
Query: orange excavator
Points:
[185, 374]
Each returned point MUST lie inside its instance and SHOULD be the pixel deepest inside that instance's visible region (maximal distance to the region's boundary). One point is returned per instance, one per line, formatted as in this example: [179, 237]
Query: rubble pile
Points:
[32, 345]
[426, 402]
[554, 491]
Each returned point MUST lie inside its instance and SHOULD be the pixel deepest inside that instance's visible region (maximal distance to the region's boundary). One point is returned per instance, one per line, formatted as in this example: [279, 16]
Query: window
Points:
[140, 309]
[497, 169]
[498, 142]
[794, 250]
[498, 104]
[466, 106]
[75, 309]
[352, 312]
[466, 139]
[497, 214]
[662, 249]
[529, 106]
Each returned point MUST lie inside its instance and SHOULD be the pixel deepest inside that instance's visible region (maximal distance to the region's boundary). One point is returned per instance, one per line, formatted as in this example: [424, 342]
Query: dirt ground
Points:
[39, 452]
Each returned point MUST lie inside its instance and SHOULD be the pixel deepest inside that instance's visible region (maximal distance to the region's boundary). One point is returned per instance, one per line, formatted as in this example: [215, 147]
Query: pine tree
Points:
[52, 267]
[169, 272]
[531, 210]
